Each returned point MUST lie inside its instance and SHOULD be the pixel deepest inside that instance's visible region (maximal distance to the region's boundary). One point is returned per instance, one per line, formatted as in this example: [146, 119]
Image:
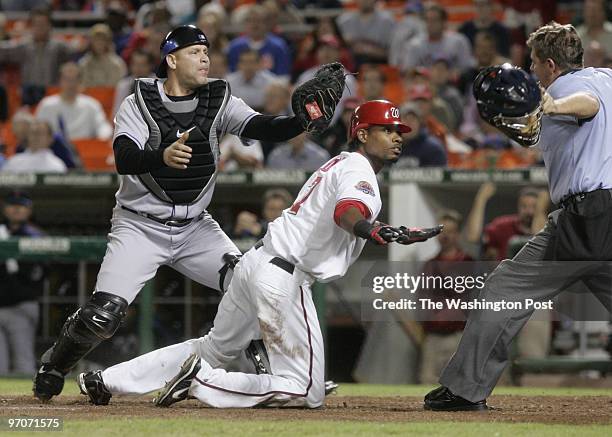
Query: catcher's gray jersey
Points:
[129, 122]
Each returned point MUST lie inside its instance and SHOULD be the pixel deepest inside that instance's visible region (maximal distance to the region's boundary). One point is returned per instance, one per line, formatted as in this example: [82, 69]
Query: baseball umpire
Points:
[269, 297]
[574, 136]
[166, 145]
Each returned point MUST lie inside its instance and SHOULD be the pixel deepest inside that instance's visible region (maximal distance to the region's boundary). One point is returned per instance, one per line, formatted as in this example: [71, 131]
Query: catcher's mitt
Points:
[314, 102]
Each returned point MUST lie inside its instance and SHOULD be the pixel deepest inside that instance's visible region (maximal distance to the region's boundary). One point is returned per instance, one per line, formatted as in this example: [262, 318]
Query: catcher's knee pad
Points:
[226, 272]
[102, 315]
[97, 320]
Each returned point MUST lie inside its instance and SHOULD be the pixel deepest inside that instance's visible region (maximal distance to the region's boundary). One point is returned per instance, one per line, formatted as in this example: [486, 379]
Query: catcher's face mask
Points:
[524, 130]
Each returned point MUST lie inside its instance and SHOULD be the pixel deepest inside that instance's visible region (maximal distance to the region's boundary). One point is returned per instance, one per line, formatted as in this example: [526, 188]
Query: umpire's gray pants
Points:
[483, 351]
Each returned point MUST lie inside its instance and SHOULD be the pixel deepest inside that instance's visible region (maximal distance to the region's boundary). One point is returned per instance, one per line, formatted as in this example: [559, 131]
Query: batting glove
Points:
[415, 235]
[378, 233]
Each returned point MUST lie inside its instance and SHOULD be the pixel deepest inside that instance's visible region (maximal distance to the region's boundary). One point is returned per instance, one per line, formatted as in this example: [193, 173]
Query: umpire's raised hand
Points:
[177, 154]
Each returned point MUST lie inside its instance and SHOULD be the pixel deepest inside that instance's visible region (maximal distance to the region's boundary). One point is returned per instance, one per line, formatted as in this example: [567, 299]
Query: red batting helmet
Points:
[376, 112]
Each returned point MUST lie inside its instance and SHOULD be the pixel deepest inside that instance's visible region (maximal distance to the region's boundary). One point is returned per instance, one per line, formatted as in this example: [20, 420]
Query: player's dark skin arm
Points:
[349, 219]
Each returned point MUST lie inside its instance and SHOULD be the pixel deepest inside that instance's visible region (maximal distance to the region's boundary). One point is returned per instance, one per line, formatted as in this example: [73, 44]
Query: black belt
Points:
[179, 223]
[278, 261]
[573, 199]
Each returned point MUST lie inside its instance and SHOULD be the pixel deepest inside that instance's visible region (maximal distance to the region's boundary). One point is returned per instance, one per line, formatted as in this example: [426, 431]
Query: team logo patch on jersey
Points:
[366, 188]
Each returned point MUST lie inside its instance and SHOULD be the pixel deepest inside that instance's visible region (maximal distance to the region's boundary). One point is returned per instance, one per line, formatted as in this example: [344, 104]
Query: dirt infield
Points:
[582, 410]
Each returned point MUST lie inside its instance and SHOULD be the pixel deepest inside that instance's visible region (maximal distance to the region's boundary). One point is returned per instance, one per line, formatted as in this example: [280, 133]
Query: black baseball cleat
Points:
[177, 389]
[48, 382]
[442, 399]
[92, 385]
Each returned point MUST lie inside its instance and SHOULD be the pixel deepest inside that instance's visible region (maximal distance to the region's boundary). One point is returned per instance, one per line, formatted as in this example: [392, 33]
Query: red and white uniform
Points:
[307, 235]
[273, 303]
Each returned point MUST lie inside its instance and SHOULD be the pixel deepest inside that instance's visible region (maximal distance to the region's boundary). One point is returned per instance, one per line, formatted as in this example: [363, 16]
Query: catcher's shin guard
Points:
[97, 320]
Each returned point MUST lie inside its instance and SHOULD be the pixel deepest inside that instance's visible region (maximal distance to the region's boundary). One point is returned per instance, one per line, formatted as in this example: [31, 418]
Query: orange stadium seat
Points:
[96, 155]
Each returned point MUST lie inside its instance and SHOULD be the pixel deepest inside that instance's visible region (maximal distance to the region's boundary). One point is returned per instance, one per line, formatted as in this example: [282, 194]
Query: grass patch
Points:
[196, 427]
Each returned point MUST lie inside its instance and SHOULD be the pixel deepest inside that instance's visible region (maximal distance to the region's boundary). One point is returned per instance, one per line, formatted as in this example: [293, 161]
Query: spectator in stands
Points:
[431, 105]
[439, 42]
[101, 66]
[298, 153]
[596, 27]
[367, 31]
[39, 57]
[307, 52]
[335, 138]
[22, 284]
[277, 101]
[410, 28]
[218, 64]
[439, 74]
[485, 21]
[419, 148]
[148, 39]
[522, 17]
[38, 156]
[485, 53]
[328, 52]
[211, 21]
[240, 154]
[117, 20]
[372, 83]
[141, 65]
[443, 328]
[20, 125]
[498, 233]
[595, 55]
[530, 218]
[250, 81]
[71, 113]
[274, 51]
[248, 225]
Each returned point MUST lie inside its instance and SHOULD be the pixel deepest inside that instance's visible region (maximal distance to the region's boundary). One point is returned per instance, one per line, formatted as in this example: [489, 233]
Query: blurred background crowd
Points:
[68, 64]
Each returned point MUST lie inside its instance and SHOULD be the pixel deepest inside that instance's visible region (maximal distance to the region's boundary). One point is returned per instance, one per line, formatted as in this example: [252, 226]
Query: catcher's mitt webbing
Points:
[314, 102]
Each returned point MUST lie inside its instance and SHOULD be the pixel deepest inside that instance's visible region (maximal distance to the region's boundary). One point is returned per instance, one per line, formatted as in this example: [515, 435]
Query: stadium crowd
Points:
[62, 82]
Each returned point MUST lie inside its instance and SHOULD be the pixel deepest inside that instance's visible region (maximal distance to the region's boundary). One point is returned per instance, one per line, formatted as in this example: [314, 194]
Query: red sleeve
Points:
[343, 205]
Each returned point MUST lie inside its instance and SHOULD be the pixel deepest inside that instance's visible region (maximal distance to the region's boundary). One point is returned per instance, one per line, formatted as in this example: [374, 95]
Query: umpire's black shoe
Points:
[48, 382]
[442, 399]
[92, 385]
[177, 389]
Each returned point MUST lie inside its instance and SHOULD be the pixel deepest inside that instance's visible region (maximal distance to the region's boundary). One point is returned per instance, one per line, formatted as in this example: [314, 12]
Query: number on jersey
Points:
[329, 164]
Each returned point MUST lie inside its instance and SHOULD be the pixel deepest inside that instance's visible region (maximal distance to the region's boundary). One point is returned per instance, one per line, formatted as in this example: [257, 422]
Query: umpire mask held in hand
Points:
[510, 99]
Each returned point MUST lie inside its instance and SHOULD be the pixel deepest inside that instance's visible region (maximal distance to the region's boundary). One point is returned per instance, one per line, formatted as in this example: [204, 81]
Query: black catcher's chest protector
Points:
[183, 186]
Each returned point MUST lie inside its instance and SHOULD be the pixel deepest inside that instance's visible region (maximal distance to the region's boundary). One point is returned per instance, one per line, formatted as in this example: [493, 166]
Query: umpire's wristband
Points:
[363, 229]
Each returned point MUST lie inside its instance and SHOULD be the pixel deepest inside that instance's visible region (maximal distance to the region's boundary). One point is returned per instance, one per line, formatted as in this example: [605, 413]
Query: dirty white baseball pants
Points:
[263, 301]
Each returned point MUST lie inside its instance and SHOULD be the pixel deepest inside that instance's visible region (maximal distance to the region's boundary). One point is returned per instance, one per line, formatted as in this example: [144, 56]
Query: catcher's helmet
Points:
[182, 36]
[510, 99]
[376, 113]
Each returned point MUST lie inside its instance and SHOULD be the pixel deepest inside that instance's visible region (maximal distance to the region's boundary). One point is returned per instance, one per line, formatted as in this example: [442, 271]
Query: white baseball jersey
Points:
[129, 122]
[306, 233]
